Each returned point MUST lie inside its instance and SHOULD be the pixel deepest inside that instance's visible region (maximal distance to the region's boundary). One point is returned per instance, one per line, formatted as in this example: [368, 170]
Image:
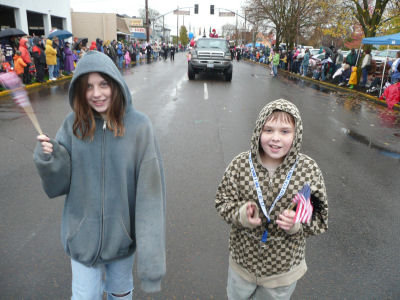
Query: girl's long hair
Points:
[84, 124]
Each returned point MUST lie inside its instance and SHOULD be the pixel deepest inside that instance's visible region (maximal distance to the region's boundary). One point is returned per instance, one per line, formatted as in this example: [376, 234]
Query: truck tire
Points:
[191, 73]
[228, 75]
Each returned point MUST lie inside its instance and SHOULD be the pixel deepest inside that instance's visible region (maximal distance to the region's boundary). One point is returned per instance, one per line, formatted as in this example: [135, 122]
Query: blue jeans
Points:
[305, 69]
[364, 76]
[120, 61]
[239, 289]
[275, 70]
[87, 282]
[56, 72]
[323, 76]
[51, 71]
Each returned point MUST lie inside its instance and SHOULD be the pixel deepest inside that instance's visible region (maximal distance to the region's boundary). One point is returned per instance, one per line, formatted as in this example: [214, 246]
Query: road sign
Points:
[181, 12]
[226, 14]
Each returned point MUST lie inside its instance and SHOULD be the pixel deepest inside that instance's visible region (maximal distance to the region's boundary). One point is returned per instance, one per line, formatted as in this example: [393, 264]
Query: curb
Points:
[37, 84]
[332, 86]
[50, 82]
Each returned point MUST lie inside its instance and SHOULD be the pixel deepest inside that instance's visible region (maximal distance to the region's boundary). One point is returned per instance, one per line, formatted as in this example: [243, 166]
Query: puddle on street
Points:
[374, 125]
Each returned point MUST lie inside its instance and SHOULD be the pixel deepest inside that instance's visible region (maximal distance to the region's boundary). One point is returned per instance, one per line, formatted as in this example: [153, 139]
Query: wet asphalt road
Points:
[201, 126]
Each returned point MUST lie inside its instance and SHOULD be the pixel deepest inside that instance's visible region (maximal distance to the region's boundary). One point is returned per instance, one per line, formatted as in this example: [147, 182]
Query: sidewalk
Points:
[329, 85]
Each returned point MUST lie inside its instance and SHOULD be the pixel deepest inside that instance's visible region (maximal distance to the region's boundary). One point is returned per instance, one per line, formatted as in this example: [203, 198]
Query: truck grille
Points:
[210, 55]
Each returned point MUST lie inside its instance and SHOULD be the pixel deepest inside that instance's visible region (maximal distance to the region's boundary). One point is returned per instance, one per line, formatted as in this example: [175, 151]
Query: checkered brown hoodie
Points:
[283, 252]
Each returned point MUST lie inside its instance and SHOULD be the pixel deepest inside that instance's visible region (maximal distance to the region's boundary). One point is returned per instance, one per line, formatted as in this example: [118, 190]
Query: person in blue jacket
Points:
[105, 158]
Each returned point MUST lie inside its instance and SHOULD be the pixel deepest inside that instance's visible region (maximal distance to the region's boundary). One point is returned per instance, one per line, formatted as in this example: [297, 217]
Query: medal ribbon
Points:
[260, 196]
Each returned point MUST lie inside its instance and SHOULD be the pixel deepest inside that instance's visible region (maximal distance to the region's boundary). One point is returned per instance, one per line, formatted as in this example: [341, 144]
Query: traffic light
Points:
[211, 9]
[196, 8]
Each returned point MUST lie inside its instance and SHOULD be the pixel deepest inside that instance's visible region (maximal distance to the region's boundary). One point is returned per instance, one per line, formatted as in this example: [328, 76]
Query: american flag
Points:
[304, 207]
[11, 81]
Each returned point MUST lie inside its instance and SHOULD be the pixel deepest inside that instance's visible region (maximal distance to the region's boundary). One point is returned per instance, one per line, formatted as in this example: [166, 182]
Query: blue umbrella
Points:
[61, 34]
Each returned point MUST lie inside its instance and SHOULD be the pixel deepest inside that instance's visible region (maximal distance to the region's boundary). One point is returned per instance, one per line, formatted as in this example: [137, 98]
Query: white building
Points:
[37, 17]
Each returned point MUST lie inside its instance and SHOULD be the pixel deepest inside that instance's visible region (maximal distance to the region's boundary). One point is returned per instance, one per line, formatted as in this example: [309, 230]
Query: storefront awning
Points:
[138, 35]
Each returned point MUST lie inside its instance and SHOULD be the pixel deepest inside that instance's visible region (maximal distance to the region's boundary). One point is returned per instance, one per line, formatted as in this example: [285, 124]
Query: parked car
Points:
[345, 53]
[381, 56]
[314, 51]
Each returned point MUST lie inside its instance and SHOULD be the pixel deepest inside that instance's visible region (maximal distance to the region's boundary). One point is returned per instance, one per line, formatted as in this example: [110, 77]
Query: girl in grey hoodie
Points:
[106, 160]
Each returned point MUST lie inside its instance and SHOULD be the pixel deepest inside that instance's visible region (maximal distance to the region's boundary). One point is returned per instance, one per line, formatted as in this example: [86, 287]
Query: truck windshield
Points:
[212, 43]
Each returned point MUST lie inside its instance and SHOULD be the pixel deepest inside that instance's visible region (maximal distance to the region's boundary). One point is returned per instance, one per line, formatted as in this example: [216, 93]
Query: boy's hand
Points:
[251, 216]
[44, 140]
[286, 219]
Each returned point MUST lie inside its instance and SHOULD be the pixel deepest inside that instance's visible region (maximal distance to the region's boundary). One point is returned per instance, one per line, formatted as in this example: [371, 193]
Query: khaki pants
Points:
[240, 289]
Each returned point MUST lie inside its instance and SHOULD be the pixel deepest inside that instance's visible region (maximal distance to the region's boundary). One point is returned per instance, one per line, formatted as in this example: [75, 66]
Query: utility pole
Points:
[177, 28]
[237, 33]
[147, 22]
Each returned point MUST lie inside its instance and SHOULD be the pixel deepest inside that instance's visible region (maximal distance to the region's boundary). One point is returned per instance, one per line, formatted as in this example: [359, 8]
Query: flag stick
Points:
[29, 111]
[12, 82]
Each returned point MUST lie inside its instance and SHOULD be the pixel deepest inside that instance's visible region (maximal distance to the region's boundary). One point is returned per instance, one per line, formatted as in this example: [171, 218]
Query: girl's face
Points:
[98, 93]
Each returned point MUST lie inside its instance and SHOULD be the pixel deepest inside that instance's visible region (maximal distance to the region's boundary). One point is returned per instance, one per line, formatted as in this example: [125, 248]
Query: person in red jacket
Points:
[391, 95]
[23, 48]
[93, 46]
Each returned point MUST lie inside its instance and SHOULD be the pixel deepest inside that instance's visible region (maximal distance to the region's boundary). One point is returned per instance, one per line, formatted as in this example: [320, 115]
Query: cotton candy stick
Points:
[12, 82]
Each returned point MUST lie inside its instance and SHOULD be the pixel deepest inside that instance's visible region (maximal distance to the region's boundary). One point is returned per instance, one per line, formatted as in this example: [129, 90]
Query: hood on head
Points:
[95, 61]
[36, 41]
[23, 42]
[286, 106]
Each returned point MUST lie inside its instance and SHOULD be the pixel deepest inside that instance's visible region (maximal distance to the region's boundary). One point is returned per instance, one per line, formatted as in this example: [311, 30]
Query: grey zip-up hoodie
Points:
[114, 186]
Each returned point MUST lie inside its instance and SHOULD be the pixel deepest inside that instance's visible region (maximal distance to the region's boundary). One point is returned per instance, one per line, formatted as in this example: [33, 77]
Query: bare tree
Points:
[153, 14]
[288, 18]
[228, 30]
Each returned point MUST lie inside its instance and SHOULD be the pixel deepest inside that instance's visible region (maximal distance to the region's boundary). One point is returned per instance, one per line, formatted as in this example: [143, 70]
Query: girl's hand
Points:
[286, 219]
[44, 140]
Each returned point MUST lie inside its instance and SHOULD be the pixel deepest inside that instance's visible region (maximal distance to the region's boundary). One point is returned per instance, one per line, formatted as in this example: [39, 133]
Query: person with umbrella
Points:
[23, 48]
[60, 57]
[39, 58]
[8, 51]
[11, 35]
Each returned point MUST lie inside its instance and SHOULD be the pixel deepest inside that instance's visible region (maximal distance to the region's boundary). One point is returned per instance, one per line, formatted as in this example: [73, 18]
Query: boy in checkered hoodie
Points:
[267, 249]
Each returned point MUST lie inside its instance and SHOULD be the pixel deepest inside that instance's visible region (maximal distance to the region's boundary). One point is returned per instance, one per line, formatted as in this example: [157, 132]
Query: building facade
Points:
[35, 17]
[94, 25]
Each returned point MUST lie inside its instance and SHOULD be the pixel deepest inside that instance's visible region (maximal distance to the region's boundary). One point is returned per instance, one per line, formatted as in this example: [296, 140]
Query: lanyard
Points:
[258, 189]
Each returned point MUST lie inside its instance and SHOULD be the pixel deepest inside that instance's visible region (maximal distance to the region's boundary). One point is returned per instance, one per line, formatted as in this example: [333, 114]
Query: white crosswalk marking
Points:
[205, 92]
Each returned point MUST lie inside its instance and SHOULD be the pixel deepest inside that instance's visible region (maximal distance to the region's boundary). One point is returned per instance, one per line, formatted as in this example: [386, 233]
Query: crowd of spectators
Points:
[329, 65]
[38, 59]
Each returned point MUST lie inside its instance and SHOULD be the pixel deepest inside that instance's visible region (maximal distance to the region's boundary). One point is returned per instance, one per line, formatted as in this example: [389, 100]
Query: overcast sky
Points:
[193, 22]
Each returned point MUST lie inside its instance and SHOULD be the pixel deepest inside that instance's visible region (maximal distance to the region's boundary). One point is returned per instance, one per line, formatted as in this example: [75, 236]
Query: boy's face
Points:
[276, 140]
